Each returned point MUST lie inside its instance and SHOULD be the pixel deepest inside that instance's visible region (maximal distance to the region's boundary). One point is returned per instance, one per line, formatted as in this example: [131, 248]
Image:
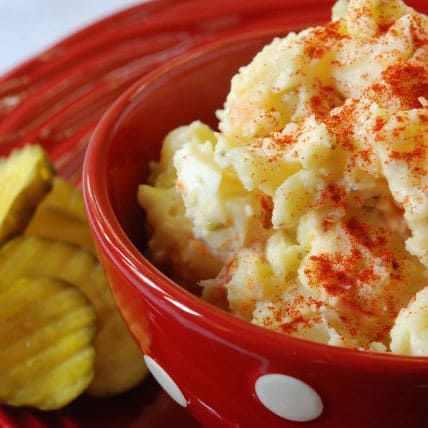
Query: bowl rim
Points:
[122, 253]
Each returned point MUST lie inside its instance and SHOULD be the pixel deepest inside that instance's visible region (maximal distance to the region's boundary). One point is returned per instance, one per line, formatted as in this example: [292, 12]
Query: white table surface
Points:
[30, 26]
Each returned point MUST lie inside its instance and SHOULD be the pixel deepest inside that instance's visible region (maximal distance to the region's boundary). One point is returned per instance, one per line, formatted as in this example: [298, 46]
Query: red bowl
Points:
[216, 365]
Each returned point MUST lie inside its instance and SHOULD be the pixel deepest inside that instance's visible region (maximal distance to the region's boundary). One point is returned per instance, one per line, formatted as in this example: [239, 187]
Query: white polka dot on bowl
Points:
[288, 397]
[165, 381]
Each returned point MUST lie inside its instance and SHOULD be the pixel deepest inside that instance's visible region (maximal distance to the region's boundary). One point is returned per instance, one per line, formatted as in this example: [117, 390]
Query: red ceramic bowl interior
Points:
[213, 358]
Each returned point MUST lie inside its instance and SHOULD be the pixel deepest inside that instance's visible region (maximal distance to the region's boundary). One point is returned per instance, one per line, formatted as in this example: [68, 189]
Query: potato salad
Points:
[307, 211]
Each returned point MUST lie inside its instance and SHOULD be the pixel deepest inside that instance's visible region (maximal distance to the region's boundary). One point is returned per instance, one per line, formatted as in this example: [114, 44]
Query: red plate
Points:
[56, 100]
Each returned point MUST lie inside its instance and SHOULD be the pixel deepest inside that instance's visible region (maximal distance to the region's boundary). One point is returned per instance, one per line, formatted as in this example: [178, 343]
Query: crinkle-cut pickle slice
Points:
[25, 178]
[118, 363]
[61, 215]
[47, 357]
